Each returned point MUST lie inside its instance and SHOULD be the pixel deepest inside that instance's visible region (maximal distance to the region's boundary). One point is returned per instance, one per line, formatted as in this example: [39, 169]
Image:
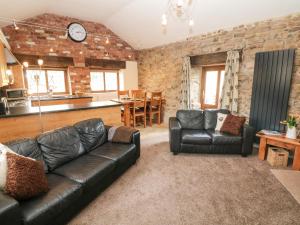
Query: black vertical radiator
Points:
[271, 89]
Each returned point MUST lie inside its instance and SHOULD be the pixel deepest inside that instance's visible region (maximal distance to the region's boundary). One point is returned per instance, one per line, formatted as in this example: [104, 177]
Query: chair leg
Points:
[158, 118]
[134, 121]
[145, 121]
[150, 119]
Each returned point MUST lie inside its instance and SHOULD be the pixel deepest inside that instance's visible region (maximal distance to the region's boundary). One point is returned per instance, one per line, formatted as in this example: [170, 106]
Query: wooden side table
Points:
[282, 142]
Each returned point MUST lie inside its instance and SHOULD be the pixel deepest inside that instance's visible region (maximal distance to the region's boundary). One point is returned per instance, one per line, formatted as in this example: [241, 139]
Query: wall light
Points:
[16, 26]
[25, 64]
[40, 62]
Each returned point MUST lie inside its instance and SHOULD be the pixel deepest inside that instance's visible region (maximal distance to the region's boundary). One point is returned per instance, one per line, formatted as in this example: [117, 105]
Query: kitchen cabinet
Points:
[4, 79]
[18, 76]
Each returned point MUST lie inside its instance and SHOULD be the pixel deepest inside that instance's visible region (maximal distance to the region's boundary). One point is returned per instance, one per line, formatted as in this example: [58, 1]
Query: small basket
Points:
[278, 157]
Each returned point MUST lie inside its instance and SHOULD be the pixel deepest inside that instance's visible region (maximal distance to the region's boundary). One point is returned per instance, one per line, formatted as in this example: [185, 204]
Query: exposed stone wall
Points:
[39, 41]
[160, 67]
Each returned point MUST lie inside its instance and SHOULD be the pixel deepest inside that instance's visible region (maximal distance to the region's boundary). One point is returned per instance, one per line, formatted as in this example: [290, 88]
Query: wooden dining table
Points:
[127, 104]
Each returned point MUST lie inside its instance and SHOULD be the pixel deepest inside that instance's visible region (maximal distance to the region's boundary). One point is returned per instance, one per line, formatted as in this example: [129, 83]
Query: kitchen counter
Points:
[62, 97]
[60, 100]
[23, 122]
[25, 111]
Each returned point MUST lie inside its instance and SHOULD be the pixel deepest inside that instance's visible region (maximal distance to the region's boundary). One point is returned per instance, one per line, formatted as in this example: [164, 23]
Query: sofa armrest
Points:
[174, 134]
[248, 138]
[9, 210]
[137, 141]
[134, 140]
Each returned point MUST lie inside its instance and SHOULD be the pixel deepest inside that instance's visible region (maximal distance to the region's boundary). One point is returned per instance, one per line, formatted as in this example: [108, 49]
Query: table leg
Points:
[127, 115]
[296, 161]
[262, 148]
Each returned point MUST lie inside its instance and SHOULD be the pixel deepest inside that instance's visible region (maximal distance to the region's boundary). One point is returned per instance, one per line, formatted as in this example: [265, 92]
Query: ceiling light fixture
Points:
[180, 10]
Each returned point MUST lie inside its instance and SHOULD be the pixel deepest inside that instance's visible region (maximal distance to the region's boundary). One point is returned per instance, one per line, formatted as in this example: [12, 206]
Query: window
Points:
[49, 79]
[102, 81]
[212, 83]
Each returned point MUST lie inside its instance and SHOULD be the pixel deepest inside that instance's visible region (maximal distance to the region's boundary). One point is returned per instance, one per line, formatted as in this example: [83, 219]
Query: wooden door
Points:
[211, 85]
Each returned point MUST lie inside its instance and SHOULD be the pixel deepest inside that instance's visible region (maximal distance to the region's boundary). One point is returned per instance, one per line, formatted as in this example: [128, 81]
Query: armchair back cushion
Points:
[60, 146]
[191, 119]
[92, 133]
[211, 115]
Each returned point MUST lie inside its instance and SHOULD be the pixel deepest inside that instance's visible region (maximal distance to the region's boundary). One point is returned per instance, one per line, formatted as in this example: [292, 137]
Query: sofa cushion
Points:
[25, 177]
[61, 195]
[233, 124]
[60, 146]
[92, 133]
[197, 137]
[28, 148]
[87, 169]
[220, 138]
[115, 151]
[191, 119]
[210, 117]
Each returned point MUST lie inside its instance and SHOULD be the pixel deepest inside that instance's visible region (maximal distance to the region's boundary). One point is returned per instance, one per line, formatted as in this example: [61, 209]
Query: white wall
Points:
[130, 76]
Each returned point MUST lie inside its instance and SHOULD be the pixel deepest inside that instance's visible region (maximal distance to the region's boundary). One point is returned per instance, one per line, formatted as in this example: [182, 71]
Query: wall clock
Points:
[77, 32]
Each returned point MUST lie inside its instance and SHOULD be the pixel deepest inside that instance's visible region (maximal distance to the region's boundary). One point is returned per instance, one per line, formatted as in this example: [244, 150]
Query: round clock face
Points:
[77, 32]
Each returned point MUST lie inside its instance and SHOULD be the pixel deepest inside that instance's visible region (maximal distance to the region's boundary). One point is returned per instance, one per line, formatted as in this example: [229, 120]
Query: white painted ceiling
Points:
[138, 21]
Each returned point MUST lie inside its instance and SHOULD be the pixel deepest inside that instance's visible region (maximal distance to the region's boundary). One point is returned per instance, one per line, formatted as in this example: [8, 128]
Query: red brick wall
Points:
[39, 41]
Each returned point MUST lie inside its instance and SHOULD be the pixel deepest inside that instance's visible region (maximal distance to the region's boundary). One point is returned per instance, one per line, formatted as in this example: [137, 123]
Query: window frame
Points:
[104, 82]
[205, 69]
[46, 69]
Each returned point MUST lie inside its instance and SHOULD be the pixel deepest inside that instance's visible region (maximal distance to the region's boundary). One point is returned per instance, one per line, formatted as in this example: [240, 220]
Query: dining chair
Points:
[155, 107]
[123, 93]
[132, 92]
[120, 95]
[139, 108]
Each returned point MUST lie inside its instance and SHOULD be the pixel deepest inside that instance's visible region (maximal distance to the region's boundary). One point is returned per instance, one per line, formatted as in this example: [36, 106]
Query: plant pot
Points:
[291, 132]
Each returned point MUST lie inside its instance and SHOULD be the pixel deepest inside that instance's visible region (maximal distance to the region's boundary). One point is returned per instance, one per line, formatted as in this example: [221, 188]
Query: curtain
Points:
[185, 100]
[230, 95]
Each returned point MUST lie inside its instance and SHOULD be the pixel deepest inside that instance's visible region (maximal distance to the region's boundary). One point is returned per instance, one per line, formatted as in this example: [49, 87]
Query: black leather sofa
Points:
[193, 131]
[79, 162]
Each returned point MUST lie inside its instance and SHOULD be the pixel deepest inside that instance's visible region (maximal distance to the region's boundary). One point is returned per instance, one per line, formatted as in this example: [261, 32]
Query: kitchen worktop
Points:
[24, 111]
[61, 97]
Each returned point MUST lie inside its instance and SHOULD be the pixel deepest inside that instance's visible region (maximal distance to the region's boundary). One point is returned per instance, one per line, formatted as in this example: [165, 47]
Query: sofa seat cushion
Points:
[197, 137]
[220, 138]
[115, 151]
[87, 169]
[61, 195]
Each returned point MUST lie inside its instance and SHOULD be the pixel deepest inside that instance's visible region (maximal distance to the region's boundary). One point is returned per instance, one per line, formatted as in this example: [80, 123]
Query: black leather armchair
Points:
[194, 131]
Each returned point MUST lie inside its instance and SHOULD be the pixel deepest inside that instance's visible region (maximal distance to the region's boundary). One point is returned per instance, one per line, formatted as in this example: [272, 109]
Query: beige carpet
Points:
[290, 179]
[192, 189]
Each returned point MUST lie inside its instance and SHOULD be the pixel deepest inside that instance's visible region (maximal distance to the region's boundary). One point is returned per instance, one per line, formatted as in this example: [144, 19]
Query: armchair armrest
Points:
[137, 141]
[174, 135]
[9, 210]
[248, 138]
